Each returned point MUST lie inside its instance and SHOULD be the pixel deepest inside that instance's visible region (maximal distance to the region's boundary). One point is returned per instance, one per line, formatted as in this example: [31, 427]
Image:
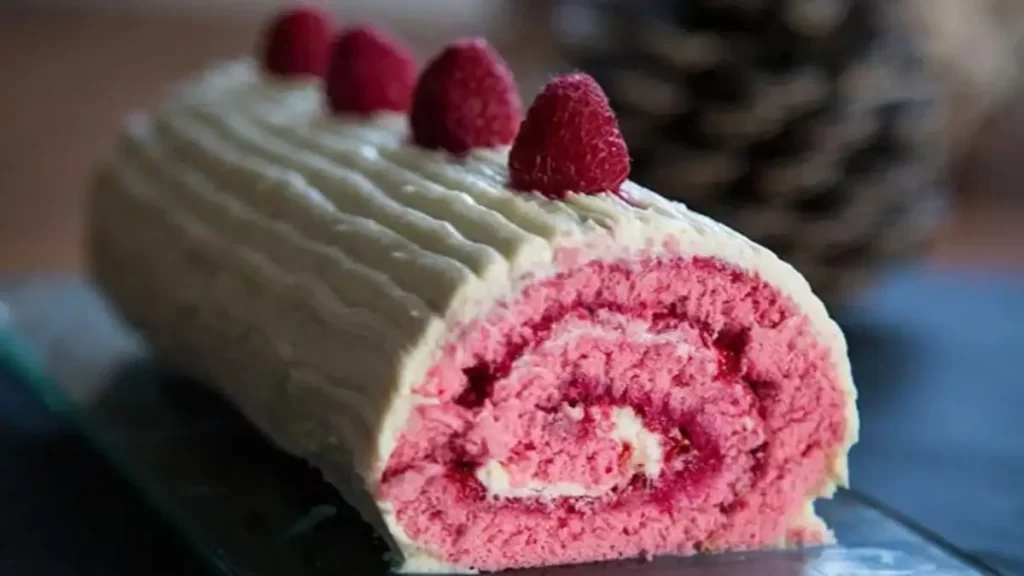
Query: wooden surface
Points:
[70, 75]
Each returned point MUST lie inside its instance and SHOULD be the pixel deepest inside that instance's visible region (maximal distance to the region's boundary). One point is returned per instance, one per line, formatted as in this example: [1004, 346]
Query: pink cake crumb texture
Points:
[744, 399]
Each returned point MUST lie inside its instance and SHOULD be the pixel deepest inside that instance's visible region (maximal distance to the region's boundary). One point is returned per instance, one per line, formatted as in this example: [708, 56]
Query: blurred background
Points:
[876, 144]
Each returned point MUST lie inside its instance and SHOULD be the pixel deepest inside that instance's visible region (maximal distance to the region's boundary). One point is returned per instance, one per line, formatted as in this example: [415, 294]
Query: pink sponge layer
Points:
[721, 369]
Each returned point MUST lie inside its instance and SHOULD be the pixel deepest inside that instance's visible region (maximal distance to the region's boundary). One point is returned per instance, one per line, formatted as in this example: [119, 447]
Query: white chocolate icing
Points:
[321, 263]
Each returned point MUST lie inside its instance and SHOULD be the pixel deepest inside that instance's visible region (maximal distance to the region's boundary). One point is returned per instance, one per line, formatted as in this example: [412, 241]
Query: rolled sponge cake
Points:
[494, 377]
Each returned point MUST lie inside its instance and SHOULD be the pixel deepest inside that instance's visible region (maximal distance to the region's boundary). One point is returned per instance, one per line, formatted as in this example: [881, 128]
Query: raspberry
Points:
[569, 142]
[297, 43]
[466, 98]
[369, 72]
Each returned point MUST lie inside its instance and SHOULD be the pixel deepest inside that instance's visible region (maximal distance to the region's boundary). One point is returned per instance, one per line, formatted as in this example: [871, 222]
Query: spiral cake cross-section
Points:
[655, 405]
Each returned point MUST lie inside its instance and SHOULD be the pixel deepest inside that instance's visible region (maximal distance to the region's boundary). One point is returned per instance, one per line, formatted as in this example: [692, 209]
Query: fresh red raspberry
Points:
[297, 43]
[569, 142]
[369, 72]
[466, 98]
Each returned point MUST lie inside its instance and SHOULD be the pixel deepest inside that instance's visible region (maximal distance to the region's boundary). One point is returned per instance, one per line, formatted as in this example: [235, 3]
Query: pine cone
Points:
[808, 125]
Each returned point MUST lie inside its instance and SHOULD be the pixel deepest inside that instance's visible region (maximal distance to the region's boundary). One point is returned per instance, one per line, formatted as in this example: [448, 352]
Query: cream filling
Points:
[612, 327]
[628, 430]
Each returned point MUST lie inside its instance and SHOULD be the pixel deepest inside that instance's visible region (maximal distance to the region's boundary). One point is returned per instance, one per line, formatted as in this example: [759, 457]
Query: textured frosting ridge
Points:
[361, 238]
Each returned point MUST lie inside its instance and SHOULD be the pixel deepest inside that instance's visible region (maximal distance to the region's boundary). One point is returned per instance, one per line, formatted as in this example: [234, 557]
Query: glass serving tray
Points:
[252, 510]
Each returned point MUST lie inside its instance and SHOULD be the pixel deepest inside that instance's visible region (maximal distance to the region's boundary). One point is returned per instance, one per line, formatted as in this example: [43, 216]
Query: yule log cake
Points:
[499, 349]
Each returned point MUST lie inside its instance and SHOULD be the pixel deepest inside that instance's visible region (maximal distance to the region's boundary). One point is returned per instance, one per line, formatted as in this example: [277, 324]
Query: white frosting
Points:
[240, 218]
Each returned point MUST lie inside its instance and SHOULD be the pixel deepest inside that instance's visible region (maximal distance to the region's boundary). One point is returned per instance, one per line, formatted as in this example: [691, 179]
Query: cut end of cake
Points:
[667, 406]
